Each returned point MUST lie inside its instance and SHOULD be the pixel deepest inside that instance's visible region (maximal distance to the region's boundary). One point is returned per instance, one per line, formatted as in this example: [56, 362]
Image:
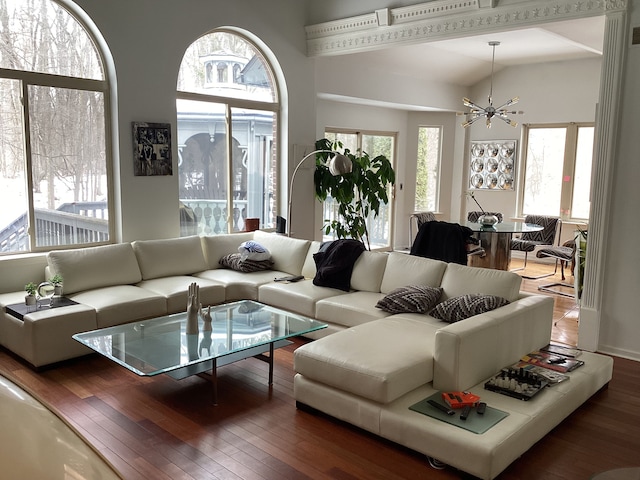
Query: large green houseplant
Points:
[358, 194]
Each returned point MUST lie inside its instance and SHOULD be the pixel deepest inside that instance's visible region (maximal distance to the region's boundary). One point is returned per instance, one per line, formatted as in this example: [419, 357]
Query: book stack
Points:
[555, 357]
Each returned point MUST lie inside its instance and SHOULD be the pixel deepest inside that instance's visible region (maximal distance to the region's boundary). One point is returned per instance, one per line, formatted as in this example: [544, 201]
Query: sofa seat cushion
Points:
[240, 285]
[175, 290]
[350, 309]
[300, 297]
[122, 304]
[379, 360]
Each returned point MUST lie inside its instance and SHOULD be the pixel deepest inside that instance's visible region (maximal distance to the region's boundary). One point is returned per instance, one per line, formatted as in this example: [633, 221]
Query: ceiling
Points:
[466, 61]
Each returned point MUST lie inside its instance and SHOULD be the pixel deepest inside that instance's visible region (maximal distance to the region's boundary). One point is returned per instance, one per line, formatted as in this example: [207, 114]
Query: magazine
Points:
[552, 361]
[551, 376]
[562, 350]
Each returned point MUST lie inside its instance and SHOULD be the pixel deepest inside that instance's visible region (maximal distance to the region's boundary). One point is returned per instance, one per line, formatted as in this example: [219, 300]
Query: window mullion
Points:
[26, 122]
[568, 170]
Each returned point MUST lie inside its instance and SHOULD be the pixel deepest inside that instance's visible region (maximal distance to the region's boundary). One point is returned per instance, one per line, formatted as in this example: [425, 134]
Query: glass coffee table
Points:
[239, 330]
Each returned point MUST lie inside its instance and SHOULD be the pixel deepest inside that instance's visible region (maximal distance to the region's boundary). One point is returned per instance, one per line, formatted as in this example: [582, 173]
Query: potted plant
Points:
[56, 281]
[30, 298]
[358, 194]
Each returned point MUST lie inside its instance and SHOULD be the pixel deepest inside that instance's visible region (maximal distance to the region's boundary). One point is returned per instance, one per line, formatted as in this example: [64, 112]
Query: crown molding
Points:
[442, 19]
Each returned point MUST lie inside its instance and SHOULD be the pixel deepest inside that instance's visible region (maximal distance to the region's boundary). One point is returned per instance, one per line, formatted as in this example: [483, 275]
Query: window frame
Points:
[568, 169]
[360, 133]
[28, 79]
[231, 103]
[436, 207]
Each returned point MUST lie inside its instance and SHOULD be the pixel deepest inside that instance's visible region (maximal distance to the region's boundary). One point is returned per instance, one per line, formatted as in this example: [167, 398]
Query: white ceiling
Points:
[466, 61]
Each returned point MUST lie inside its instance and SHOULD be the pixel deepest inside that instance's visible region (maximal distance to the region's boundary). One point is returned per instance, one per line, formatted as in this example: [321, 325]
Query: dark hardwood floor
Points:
[160, 428]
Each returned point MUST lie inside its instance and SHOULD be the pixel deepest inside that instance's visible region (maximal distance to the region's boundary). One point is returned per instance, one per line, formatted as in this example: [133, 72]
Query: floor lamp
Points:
[339, 164]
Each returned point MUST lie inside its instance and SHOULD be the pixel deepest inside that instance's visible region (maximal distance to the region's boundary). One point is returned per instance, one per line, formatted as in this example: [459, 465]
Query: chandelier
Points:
[476, 111]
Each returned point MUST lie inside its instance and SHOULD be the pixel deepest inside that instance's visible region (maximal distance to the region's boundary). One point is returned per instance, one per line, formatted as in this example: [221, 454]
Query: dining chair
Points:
[419, 219]
[529, 241]
[442, 241]
[564, 255]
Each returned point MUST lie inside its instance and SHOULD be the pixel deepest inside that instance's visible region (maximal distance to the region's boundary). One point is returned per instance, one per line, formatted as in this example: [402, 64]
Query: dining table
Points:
[496, 242]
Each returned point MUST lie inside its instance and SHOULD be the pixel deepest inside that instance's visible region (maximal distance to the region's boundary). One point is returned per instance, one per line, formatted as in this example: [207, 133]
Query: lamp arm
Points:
[293, 177]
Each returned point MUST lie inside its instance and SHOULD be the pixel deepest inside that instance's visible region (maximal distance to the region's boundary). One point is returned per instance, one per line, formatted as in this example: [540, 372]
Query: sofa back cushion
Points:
[95, 267]
[288, 254]
[460, 280]
[168, 257]
[309, 265]
[368, 271]
[217, 246]
[402, 270]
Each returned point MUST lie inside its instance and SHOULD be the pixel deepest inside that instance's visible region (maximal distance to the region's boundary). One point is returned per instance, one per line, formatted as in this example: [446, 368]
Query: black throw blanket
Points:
[442, 241]
[334, 264]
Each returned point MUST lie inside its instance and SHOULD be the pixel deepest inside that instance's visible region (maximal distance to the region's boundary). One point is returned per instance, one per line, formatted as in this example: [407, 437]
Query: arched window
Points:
[226, 136]
[54, 175]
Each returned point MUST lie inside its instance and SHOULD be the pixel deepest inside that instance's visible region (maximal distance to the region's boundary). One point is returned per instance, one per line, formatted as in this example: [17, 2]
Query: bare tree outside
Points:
[65, 110]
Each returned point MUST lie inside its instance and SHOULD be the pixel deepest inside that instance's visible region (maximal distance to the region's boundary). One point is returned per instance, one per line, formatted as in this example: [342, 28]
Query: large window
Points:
[557, 170]
[374, 143]
[54, 175]
[227, 127]
[428, 169]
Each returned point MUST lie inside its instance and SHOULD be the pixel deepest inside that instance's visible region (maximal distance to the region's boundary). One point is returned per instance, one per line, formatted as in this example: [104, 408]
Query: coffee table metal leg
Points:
[271, 363]
[214, 380]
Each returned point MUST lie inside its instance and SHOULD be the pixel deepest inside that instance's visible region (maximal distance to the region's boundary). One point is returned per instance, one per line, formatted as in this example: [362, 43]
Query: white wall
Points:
[147, 39]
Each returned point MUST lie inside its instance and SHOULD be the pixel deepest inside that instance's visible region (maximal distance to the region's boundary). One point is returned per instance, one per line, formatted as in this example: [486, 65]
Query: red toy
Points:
[460, 399]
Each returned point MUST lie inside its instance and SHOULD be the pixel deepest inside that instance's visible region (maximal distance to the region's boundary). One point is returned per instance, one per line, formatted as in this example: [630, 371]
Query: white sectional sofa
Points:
[366, 368]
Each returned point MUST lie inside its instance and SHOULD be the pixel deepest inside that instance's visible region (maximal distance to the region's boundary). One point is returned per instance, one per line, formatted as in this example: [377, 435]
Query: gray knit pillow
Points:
[410, 299]
[234, 262]
[465, 306]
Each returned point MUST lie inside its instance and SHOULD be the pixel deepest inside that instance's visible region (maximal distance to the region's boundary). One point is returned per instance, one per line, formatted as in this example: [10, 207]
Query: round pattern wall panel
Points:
[493, 164]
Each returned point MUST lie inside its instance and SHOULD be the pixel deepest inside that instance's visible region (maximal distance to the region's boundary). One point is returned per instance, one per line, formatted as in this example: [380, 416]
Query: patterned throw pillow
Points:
[410, 299]
[234, 262]
[253, 251]
[465, 306]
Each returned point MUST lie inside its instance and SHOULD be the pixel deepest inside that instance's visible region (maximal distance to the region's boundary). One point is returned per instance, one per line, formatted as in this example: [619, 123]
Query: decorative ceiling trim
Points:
[442, 19]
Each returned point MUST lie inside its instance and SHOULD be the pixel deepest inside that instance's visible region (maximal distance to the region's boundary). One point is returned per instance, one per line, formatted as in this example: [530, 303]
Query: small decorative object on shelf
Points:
[193, 308]
[56, 281]
[45, 292]
[30, 298]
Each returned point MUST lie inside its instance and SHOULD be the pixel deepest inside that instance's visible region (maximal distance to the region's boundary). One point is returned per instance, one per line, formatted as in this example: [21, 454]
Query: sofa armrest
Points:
[472, 350]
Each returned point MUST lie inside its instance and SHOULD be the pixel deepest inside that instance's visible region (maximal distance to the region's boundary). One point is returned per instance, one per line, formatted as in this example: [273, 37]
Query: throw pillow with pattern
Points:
[410, 299]
[465, 306]
[253, 251]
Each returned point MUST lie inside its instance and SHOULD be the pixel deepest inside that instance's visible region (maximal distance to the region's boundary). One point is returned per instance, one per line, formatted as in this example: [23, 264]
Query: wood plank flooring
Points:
[160, 428]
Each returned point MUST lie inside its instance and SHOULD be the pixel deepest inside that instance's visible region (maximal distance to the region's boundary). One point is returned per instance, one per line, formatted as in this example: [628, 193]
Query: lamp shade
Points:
[340, 165]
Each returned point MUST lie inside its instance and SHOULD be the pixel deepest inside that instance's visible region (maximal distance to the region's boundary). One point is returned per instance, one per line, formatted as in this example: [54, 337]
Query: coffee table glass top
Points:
[161, 345]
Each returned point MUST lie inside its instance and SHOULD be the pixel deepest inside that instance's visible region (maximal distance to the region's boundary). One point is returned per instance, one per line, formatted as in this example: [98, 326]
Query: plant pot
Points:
[30, 300]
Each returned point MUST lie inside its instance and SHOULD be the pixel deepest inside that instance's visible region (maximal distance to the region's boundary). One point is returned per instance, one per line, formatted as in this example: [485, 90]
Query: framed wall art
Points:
[152, 149]
[493, 164]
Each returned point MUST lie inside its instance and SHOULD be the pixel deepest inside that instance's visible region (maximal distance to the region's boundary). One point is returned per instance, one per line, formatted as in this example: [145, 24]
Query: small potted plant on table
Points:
[30, 298]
